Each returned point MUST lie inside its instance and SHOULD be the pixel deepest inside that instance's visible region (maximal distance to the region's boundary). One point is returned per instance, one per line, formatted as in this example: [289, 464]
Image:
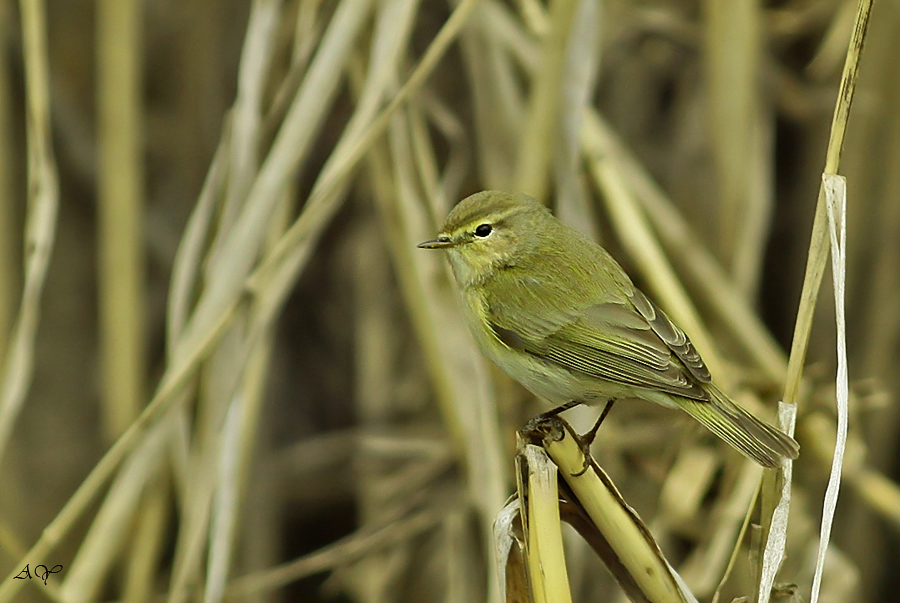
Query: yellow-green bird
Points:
[559, 315]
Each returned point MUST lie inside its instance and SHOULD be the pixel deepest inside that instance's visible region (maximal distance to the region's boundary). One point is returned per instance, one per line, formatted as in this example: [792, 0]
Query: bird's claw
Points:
[585, 446]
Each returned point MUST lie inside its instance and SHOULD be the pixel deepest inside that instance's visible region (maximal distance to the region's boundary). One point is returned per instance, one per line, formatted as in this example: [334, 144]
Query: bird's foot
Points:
[587, 439]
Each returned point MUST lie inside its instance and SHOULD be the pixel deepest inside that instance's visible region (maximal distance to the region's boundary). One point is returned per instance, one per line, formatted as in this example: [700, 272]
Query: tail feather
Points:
[750, 436]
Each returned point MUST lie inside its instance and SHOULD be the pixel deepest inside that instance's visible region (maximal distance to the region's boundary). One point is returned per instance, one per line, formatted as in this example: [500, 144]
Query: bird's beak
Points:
[442, 242]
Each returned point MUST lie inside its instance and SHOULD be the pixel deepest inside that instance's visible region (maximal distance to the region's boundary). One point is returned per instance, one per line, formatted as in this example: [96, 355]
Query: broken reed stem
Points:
[539, 495]
[637, 557]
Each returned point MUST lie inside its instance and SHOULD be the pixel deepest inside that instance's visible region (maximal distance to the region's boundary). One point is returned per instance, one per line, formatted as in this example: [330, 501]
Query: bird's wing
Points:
[628, 341]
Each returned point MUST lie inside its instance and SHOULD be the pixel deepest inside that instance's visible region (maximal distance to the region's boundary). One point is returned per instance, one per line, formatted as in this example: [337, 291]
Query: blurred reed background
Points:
[237, 378]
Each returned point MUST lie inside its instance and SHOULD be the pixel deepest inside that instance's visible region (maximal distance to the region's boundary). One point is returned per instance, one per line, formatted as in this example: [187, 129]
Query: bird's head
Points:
[490, 230]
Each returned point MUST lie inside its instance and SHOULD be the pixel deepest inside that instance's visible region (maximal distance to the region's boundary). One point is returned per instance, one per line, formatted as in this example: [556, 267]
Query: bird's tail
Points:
[750, 436]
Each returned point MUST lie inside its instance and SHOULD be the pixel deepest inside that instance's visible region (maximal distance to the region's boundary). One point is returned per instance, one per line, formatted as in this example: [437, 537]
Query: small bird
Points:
[559, 315]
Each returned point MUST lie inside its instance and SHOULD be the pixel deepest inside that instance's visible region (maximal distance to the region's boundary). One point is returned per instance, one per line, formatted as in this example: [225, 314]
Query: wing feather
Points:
[672, 336]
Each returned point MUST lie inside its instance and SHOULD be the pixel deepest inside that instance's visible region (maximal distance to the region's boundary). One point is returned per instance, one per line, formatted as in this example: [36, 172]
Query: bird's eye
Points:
[483, 230]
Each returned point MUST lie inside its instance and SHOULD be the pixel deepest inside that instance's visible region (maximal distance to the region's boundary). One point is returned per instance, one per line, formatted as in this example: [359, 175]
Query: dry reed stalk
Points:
[144, 557]
[579, 72]
[246, 116]
[122, 279]
[740, 131]
[120, 213]
[491, 76]
[40, 221]
[545, 98]
[818, 251]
